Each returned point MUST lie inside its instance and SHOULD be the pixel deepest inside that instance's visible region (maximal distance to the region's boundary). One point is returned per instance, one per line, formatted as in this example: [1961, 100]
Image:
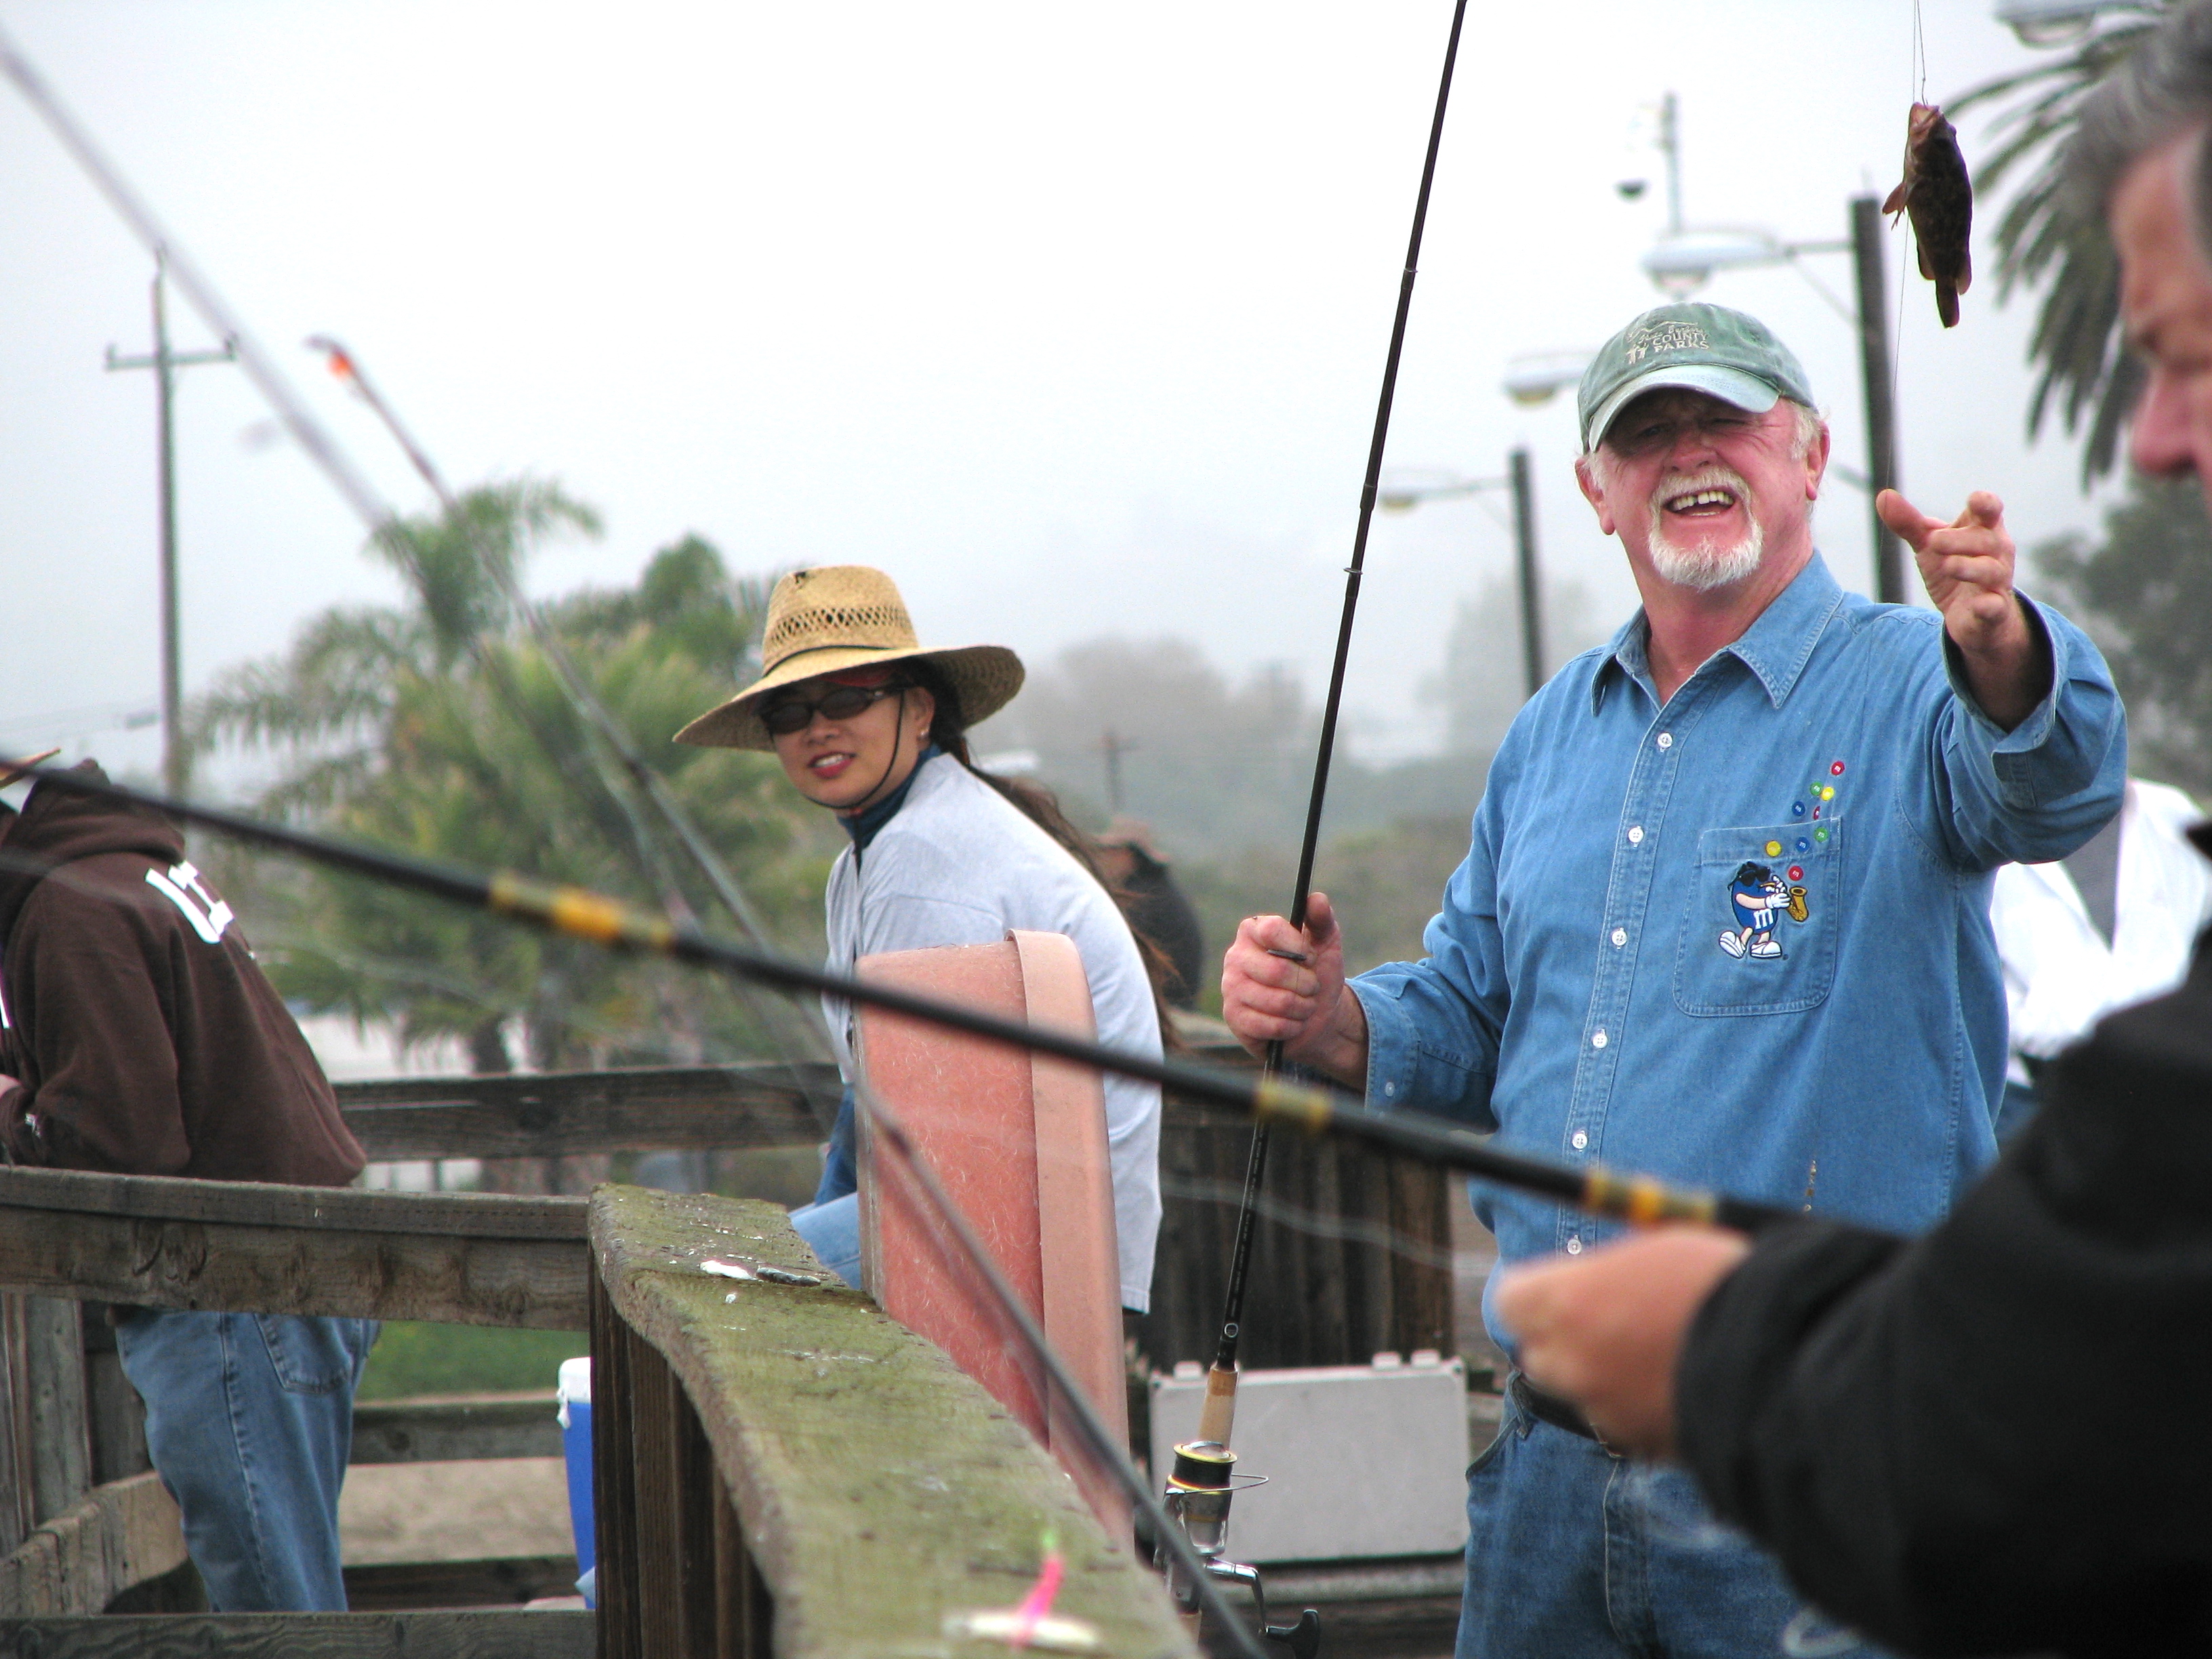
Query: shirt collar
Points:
[1775, 647]
[862, 826]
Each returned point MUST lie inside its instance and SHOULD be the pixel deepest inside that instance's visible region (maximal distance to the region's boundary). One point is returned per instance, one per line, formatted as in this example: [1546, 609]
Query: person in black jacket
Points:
[1991, 1440]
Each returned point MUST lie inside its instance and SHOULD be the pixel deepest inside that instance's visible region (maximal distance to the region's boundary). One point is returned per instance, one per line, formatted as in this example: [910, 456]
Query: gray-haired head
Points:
[2162, 89]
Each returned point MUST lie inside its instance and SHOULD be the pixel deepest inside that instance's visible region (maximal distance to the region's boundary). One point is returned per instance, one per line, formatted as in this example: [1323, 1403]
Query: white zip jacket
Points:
[959, 864]
[2060, 977]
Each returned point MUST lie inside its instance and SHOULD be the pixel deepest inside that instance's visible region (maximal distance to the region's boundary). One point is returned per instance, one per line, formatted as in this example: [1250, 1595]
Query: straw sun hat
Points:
[837, 617]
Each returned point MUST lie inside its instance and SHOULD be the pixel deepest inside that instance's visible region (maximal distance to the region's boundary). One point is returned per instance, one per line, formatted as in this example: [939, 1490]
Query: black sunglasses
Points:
[840, 702]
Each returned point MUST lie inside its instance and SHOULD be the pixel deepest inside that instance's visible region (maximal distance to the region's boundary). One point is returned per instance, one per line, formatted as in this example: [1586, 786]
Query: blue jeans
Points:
[832, 1231]
[831, 1224]
[1574, 1553]
[249, 1419]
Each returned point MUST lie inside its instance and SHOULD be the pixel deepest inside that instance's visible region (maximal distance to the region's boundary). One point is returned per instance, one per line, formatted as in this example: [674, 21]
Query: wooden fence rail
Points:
[562, 1113]
[462, 1258]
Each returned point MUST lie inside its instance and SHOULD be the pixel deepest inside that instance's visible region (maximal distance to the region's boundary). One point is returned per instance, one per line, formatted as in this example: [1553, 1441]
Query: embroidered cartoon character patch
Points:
[1757, 900]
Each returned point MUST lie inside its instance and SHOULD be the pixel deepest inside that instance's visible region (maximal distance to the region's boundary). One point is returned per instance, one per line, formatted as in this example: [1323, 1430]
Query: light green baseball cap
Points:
[1729, 355]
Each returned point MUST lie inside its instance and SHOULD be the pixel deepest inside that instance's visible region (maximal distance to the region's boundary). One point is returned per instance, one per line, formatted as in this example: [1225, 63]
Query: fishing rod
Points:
[1218, 1414]
[615, 924]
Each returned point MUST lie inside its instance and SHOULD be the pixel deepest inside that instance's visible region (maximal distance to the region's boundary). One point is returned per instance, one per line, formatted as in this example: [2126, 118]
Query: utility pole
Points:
[1113, 746]
[1524, 547]
[165, 363]
[1881, 404]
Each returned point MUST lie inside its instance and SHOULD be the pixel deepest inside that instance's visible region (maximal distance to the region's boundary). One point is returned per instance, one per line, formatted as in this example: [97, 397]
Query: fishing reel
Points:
[1197, 1499]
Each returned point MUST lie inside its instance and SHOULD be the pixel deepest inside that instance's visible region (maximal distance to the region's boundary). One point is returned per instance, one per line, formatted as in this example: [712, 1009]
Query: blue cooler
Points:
[575, 1391]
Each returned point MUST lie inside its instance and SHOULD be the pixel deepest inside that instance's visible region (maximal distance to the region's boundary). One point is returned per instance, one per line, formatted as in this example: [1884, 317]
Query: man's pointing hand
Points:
[1967, 567]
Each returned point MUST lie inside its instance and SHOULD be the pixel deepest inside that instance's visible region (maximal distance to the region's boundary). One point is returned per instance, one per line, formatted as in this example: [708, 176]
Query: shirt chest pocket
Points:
[1759, 922]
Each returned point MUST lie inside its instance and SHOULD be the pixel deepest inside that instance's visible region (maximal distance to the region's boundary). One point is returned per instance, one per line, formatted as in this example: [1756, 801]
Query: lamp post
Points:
[1532, 379]
[1404, 497]
[1683, 262]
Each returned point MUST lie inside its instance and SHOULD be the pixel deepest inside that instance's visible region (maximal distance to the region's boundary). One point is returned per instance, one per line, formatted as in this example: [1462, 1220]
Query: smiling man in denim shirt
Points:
[1724, 918]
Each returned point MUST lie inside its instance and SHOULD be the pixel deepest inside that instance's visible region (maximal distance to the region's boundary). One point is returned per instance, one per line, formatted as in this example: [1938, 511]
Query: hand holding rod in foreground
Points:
[1606, 1329]
[1967, 568]
[1283, 984]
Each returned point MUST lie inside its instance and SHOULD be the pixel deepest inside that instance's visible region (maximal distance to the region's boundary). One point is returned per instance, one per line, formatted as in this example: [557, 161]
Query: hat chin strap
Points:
[882, 788]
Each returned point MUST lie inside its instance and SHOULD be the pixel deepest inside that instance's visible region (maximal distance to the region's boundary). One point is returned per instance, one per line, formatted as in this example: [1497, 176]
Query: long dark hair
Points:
[948, 730]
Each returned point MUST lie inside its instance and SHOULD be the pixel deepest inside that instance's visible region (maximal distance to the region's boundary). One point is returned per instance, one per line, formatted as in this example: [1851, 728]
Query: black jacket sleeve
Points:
[1996, 1439]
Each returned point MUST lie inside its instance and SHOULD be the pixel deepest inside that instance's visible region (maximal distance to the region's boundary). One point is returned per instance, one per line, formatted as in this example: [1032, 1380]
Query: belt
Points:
[1549, 1408]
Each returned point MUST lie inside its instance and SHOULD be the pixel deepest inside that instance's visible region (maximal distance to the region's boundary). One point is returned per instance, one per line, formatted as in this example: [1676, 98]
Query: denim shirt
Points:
[1743, 941]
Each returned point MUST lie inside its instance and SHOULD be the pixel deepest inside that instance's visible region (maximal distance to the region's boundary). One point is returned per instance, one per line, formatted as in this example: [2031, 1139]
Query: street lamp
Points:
[1683, 261]
[1534, 377]
[2050, 22]
[1403, 496]
[1531, 377]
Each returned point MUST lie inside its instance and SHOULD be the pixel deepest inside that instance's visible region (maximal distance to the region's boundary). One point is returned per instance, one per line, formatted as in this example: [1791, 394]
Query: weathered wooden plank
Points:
[878, 1489]
[508, 1581]
[536, 1282]
[15, 1517]
[548, 1114]
[616, 1087]
[77, 1563]
[115, 1414]
[264, 1204]
[61, 1446]
[501, 1633]
[455, 1428]
[614, 1495]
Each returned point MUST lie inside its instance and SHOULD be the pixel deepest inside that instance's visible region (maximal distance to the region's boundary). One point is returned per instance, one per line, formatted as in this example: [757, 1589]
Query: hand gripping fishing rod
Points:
[1217, 1416]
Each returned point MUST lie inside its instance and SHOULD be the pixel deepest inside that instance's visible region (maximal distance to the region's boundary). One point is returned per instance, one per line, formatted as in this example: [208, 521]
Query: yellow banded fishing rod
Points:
[617, 925]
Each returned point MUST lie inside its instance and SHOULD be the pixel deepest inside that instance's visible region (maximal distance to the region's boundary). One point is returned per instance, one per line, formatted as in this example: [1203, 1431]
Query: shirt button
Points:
[1581, 1139]
[1575, 1246]
[1620, 936]
[1597, 1039]
[1666, 739]
[1636, 834]
[1389, 1088]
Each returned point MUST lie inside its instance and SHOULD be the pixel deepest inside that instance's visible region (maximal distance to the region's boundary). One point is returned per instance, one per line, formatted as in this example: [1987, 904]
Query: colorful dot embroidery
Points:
[1773, 848]
[1827, 791]
[1804, 846]
[1797, 872]
[1835, 768]
[1797, 809]
[1822, 833]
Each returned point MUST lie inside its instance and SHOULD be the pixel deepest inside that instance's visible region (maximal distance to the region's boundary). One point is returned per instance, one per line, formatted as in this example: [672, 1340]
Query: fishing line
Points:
[1315, 1223]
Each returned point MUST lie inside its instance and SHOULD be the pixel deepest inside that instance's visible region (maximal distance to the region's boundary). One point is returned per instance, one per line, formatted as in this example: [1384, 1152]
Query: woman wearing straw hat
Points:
[872, 726]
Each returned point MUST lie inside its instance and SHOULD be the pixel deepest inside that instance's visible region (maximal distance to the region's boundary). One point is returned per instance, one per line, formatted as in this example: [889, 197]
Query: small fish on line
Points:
[1938, 195]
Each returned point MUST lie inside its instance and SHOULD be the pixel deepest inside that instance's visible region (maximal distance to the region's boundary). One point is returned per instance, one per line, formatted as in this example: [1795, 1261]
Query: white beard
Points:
[1701, 570]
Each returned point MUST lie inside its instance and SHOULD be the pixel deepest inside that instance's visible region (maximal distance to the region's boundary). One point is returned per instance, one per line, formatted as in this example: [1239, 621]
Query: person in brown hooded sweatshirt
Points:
[138, 1036]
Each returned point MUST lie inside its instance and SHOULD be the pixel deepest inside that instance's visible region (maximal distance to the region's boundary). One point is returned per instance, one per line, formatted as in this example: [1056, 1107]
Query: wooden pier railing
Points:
[82, 1527]
[785, 1469]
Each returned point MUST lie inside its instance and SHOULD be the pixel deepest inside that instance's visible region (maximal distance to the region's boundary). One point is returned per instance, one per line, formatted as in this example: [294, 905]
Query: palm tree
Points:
[2084, 369]
[441, 728]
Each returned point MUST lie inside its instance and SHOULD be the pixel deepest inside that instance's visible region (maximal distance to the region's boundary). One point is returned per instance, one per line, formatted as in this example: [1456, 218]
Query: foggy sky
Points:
[1071, 319]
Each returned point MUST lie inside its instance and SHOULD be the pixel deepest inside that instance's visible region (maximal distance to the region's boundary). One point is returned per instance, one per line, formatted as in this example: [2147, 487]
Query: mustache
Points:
[1713, 476]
